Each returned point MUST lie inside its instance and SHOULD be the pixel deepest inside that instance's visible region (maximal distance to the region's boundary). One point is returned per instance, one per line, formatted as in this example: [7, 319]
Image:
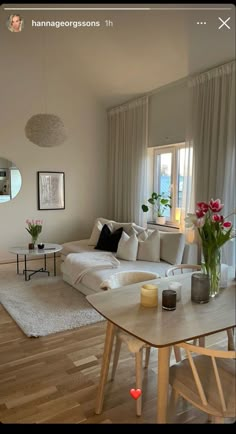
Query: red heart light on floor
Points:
[135, 393]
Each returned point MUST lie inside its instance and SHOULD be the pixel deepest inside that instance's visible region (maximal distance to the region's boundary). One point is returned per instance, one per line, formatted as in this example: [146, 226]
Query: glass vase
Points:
[34, 240]
[211, 265]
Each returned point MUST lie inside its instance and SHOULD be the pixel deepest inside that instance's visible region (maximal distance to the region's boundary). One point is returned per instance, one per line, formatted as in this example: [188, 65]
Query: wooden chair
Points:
[135, 346]
[172, 270]
[206, 380]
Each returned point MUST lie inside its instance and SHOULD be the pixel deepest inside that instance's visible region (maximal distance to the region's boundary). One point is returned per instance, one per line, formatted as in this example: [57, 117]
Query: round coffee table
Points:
[48, 248]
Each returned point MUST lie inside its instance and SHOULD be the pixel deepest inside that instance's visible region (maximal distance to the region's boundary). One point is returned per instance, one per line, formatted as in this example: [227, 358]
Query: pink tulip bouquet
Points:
[34, 228]
[214, 230]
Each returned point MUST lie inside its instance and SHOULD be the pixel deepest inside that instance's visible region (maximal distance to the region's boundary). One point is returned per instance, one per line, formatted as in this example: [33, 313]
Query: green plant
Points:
[159, 203]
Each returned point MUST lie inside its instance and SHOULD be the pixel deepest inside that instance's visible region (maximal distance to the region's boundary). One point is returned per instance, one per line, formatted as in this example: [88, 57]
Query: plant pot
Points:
[160, 220]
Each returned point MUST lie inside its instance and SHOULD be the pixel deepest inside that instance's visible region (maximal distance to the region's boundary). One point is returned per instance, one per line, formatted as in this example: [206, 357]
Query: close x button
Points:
[224, 23]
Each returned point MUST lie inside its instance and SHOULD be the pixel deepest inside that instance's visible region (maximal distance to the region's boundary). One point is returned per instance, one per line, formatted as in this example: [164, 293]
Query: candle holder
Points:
[149, 295]
[169, 299]
[40, 246]
[200, 288]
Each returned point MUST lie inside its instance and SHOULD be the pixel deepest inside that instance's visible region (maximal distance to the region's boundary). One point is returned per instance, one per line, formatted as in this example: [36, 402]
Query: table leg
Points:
[163, 383]
[105, 366]
[25, 269]
[17, 264]
[45, 262]
[54, 264]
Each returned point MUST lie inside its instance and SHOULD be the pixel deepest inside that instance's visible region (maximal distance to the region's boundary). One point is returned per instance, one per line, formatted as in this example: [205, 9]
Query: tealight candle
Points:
[149, 295]
[169, 299]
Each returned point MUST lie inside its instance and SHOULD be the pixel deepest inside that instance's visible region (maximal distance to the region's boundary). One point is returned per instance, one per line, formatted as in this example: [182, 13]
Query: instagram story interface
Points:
[87, 91]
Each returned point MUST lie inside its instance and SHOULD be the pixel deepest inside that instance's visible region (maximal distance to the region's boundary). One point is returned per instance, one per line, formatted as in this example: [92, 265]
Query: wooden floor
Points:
[54, 379]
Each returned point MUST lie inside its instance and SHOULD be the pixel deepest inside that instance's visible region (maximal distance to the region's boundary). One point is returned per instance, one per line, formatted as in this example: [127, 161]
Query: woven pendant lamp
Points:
[45, 130]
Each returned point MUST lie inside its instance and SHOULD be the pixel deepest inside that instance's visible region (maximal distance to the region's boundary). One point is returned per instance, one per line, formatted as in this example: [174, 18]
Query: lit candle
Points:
[149, 295]
[177, 214]
[169, 299]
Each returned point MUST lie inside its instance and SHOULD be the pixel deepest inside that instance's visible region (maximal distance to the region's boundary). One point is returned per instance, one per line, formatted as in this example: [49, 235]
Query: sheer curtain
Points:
[127, 158]
[211, 135]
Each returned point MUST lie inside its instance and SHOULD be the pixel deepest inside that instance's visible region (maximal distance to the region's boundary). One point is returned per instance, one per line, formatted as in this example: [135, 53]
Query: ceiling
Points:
[141, 51]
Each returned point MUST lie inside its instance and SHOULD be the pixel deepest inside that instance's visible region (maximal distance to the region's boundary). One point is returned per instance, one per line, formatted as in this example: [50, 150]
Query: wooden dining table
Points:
[160, 328]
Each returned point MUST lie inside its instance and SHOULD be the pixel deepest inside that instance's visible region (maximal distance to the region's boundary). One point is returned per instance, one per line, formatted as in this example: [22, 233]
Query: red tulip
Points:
[199, 213]
[217, 218]
[216, 205]
[203, 206]
[227, 224]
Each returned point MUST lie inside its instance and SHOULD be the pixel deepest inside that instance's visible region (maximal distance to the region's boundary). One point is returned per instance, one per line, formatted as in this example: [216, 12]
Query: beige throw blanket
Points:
[79, 264]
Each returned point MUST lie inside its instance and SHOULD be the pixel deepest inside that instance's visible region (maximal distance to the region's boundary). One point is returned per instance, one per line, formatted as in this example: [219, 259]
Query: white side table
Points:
[48, 248]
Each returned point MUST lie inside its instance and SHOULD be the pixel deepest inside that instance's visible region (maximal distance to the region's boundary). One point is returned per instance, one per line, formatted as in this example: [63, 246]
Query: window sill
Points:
[166, 225]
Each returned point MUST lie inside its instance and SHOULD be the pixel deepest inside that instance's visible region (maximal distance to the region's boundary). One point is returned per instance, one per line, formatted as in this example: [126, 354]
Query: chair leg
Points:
[172, 405]
[177, 352]
[138, 362]
[116, 357]
[230, 333]
[201, 341]
[147, 357]
[209, 418]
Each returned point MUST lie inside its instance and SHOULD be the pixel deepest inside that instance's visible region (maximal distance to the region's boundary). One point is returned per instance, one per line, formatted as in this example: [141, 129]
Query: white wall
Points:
[26, 87]
[167, 115]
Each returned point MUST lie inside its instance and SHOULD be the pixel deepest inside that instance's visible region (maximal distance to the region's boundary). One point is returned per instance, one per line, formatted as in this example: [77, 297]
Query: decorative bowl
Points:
[41, 246]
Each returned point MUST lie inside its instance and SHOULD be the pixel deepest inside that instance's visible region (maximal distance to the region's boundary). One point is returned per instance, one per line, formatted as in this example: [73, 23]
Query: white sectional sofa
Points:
[155, 252]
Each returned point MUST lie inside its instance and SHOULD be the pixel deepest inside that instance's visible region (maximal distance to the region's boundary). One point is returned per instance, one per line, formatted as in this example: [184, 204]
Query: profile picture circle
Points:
[15, 23]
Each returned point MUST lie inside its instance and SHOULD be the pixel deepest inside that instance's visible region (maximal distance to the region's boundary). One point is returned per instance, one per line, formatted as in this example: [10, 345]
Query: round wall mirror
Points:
[10, 180]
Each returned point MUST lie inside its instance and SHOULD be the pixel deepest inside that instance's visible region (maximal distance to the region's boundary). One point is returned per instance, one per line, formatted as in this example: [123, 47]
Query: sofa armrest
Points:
[190, 255]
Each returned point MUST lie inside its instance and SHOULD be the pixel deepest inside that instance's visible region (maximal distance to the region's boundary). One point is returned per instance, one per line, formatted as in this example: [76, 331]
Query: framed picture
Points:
[51, 190]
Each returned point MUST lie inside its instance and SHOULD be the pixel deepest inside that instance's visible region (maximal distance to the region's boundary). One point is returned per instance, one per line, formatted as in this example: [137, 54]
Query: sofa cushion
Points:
[127, 247]
[142, 236]
[149, 250]
[137, 228]
[109, 240]
[98, 225]
[127, 227]
[172, 247]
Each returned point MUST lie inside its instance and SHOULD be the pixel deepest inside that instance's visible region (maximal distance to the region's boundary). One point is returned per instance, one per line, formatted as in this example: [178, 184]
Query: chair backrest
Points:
[124, 278]
[203, 372]
[180, 269]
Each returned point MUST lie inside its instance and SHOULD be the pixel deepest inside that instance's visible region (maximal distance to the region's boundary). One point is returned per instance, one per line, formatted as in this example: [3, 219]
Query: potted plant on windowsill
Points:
[159, 203]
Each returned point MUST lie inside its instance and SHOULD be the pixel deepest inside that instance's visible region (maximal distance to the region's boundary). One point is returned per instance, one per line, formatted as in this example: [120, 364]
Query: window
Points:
[171, 169]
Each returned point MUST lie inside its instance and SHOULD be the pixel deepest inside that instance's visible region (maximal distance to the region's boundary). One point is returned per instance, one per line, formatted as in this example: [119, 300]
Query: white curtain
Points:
[127, 158]
[212, 136]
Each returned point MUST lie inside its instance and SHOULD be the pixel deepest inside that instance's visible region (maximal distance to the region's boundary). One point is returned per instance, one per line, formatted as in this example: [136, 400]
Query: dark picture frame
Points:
[51, 190]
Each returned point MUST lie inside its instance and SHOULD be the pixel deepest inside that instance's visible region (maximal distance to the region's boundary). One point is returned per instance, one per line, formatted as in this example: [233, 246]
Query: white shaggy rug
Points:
[47, 305]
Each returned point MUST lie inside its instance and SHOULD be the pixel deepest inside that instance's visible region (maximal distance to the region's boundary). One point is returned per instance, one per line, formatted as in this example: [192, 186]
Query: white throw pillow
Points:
[97, 231]
[126, 226]
[137, 228]
[132, 231]
[172, 247]
[142, 236]
[149, 250]
[127, 247]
